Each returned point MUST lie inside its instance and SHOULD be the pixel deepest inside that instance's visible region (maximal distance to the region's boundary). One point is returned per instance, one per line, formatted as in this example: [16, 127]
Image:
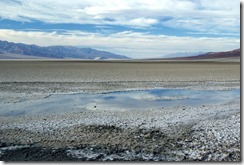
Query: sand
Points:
[203, 132]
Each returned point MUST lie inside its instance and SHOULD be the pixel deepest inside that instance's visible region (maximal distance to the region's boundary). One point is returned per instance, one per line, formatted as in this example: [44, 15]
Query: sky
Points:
[135, 28]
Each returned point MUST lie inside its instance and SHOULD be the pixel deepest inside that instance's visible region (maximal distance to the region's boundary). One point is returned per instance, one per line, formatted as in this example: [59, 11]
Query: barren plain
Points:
[178, 133]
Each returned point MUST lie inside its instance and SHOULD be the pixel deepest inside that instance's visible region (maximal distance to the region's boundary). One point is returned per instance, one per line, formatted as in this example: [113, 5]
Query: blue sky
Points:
[136, 28]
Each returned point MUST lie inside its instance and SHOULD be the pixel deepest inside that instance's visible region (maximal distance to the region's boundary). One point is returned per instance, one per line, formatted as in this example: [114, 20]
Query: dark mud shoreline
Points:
[105, 154]
[98, 154]
[123, 145]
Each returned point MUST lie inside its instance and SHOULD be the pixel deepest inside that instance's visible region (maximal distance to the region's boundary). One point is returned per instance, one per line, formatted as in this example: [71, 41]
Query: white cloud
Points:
[219, 4]
[142, 22]
[133, 44]
[221, 14]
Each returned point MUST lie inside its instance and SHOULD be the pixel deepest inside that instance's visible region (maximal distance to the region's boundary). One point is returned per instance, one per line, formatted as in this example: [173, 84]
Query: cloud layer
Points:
[198, 15]
[151, 27]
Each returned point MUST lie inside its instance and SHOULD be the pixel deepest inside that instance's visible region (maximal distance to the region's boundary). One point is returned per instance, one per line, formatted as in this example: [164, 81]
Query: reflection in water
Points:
[129, 100]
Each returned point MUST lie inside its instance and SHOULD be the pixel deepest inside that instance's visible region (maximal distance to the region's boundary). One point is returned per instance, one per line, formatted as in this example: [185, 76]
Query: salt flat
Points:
[106, 71]
[203, 132]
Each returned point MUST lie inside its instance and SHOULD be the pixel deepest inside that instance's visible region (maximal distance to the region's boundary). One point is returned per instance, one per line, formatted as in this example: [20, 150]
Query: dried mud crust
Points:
[71, 71]
[110, 143]
[96, 87]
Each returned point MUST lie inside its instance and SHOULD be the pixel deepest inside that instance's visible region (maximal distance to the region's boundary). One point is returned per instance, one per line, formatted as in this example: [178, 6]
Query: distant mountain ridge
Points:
[183, 54]
[60, 52]
[214, 55]
[227, 55]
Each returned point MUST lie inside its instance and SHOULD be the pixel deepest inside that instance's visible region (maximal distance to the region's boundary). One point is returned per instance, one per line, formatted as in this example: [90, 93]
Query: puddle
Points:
[128, 100]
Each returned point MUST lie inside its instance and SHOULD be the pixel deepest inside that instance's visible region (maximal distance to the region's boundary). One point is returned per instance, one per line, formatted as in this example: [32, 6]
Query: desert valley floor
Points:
[208, 132]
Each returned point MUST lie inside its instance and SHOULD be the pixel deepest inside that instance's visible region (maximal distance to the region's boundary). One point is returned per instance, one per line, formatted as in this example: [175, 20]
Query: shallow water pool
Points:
[126, 100]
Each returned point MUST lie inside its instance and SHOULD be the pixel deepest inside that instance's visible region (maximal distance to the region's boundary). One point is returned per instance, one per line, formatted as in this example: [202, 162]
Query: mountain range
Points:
[214, 55]
[19, 50]
[182, 54]
[233, 55]
[10, 50]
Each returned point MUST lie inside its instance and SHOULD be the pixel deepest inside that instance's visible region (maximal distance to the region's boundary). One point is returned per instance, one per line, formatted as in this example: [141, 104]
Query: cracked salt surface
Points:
[126, 100]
